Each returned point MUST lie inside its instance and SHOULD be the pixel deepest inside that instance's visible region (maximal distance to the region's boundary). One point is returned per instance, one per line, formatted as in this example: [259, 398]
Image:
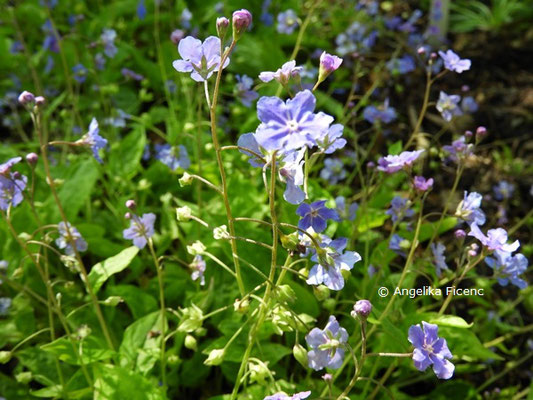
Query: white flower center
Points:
[292, 125]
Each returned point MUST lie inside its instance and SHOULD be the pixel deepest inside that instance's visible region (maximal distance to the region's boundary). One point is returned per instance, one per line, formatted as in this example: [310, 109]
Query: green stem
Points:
[359, 366]
[222, 171]
[162, 310]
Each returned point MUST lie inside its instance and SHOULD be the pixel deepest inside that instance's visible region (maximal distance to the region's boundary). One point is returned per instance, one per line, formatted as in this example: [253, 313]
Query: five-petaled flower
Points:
[453, 62]
[292, 124]
[507, 267]
[69, 235]
[93, 139]
[200, 59]
[12, 184]
[430, 349]
[283, 396]
[327, 345]
[496, 239]
[140, 230]
[315, 215]
[391, 164]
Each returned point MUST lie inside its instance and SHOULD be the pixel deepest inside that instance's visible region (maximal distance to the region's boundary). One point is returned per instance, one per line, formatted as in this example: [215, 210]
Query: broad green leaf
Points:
[113, 265]
[450, 320]
[125, 158]
[90, 349]
[139, 302]
[117, 383]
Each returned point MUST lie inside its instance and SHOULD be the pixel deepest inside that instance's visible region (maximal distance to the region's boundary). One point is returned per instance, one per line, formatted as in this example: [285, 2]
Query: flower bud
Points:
[176, 36]
[362, 309]
[481, 131]
[290, 242]
[83, 332]
[190, 343]
[24, 377]
[468, 134]
[128, 215]
[459, 234]
[5, 356]
[285, 293]
[131, 204]
[241, 306]
[197, 248]
[185, 180]
[113, 301]
[221, 233]
[32, 158]
[328, 64]
[242, 19]
[183, 214]
[321, 292]
[259, 372]
[26, 97]
[299, 352]
[215, 357]
[222, 27]
[39, 101]
[421, 50]
[327, 377]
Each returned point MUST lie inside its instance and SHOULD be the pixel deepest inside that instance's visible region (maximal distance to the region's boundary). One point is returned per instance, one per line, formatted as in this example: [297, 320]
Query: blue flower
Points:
[507, 268]
[357, 38]
[503, 190]
[401, 65]
[399, 209]
[173, 157]
[141, 10]
[332, 140]
[469, 209]
[394, 163]
[327, 345]
[50, 40]
[431, 350]
[398, 244]
[198, 268]
[469, 105]
[287, 22]
[438, 250]
[383, 113]
[292, 124]
[333, 170]
[283, 396]
[5, 304]
[331, 260]
[108, 37]
[128, 73]
[266, 18]
[12, 185]
[282, 75]
[185, 18]
[99, 61]
[454, 63]
[291, 172]
[315, 215]
[140, 230]
[496, 239]
[80, 73]
[94, 140]
[459, 149]
[65, 241]
[448, 105]
[200, 59]
[345, 212]
[244, 92]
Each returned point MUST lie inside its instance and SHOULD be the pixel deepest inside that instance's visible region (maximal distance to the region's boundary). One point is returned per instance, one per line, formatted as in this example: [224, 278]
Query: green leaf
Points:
[78, 187]
[464, 343]
[395, 148]
[124, 159]
[113, 265]
[450, 320]
[90, 350]
[116, 383]
[139, 302]
[138, 349]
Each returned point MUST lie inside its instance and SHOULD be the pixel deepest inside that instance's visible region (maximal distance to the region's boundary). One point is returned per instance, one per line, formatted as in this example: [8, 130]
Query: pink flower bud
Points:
[131, 204]
[222, 27]
[32, 158]
[242, 19]
[26, 97]
[39, 101]
[177, 35]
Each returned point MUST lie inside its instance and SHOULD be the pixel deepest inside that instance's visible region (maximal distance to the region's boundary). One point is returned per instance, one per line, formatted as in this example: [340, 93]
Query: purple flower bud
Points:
[39, 101]
[422, 184]
[468, 134]
[131, 204]
[329, 63]
[433, 55]
[362, 309]
[242, 19]
[421, 50]
[460, 234]
[222, 27]
[26, 97]
[481, 131]
[128, 215]
[472, 253]
[32, 158]
[465, 88]
[327, 377]
[370, 164]
[177, 35]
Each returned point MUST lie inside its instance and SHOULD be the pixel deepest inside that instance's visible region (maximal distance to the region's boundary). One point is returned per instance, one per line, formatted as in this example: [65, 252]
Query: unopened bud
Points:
[5, 356]
[32, 158]
[185, 180]
[242, 19]
[215, 357]
[131, 204]
[39, 101]
[481, 131]
[460, 234]
[362, 309]
[191, 343]
[183, 214]
[24, 377]
[197, 248]
[221, 233]
[299, 352]
[26, 97]
[241, 306]
[176, 36]
[469, 134]
[222, 27]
